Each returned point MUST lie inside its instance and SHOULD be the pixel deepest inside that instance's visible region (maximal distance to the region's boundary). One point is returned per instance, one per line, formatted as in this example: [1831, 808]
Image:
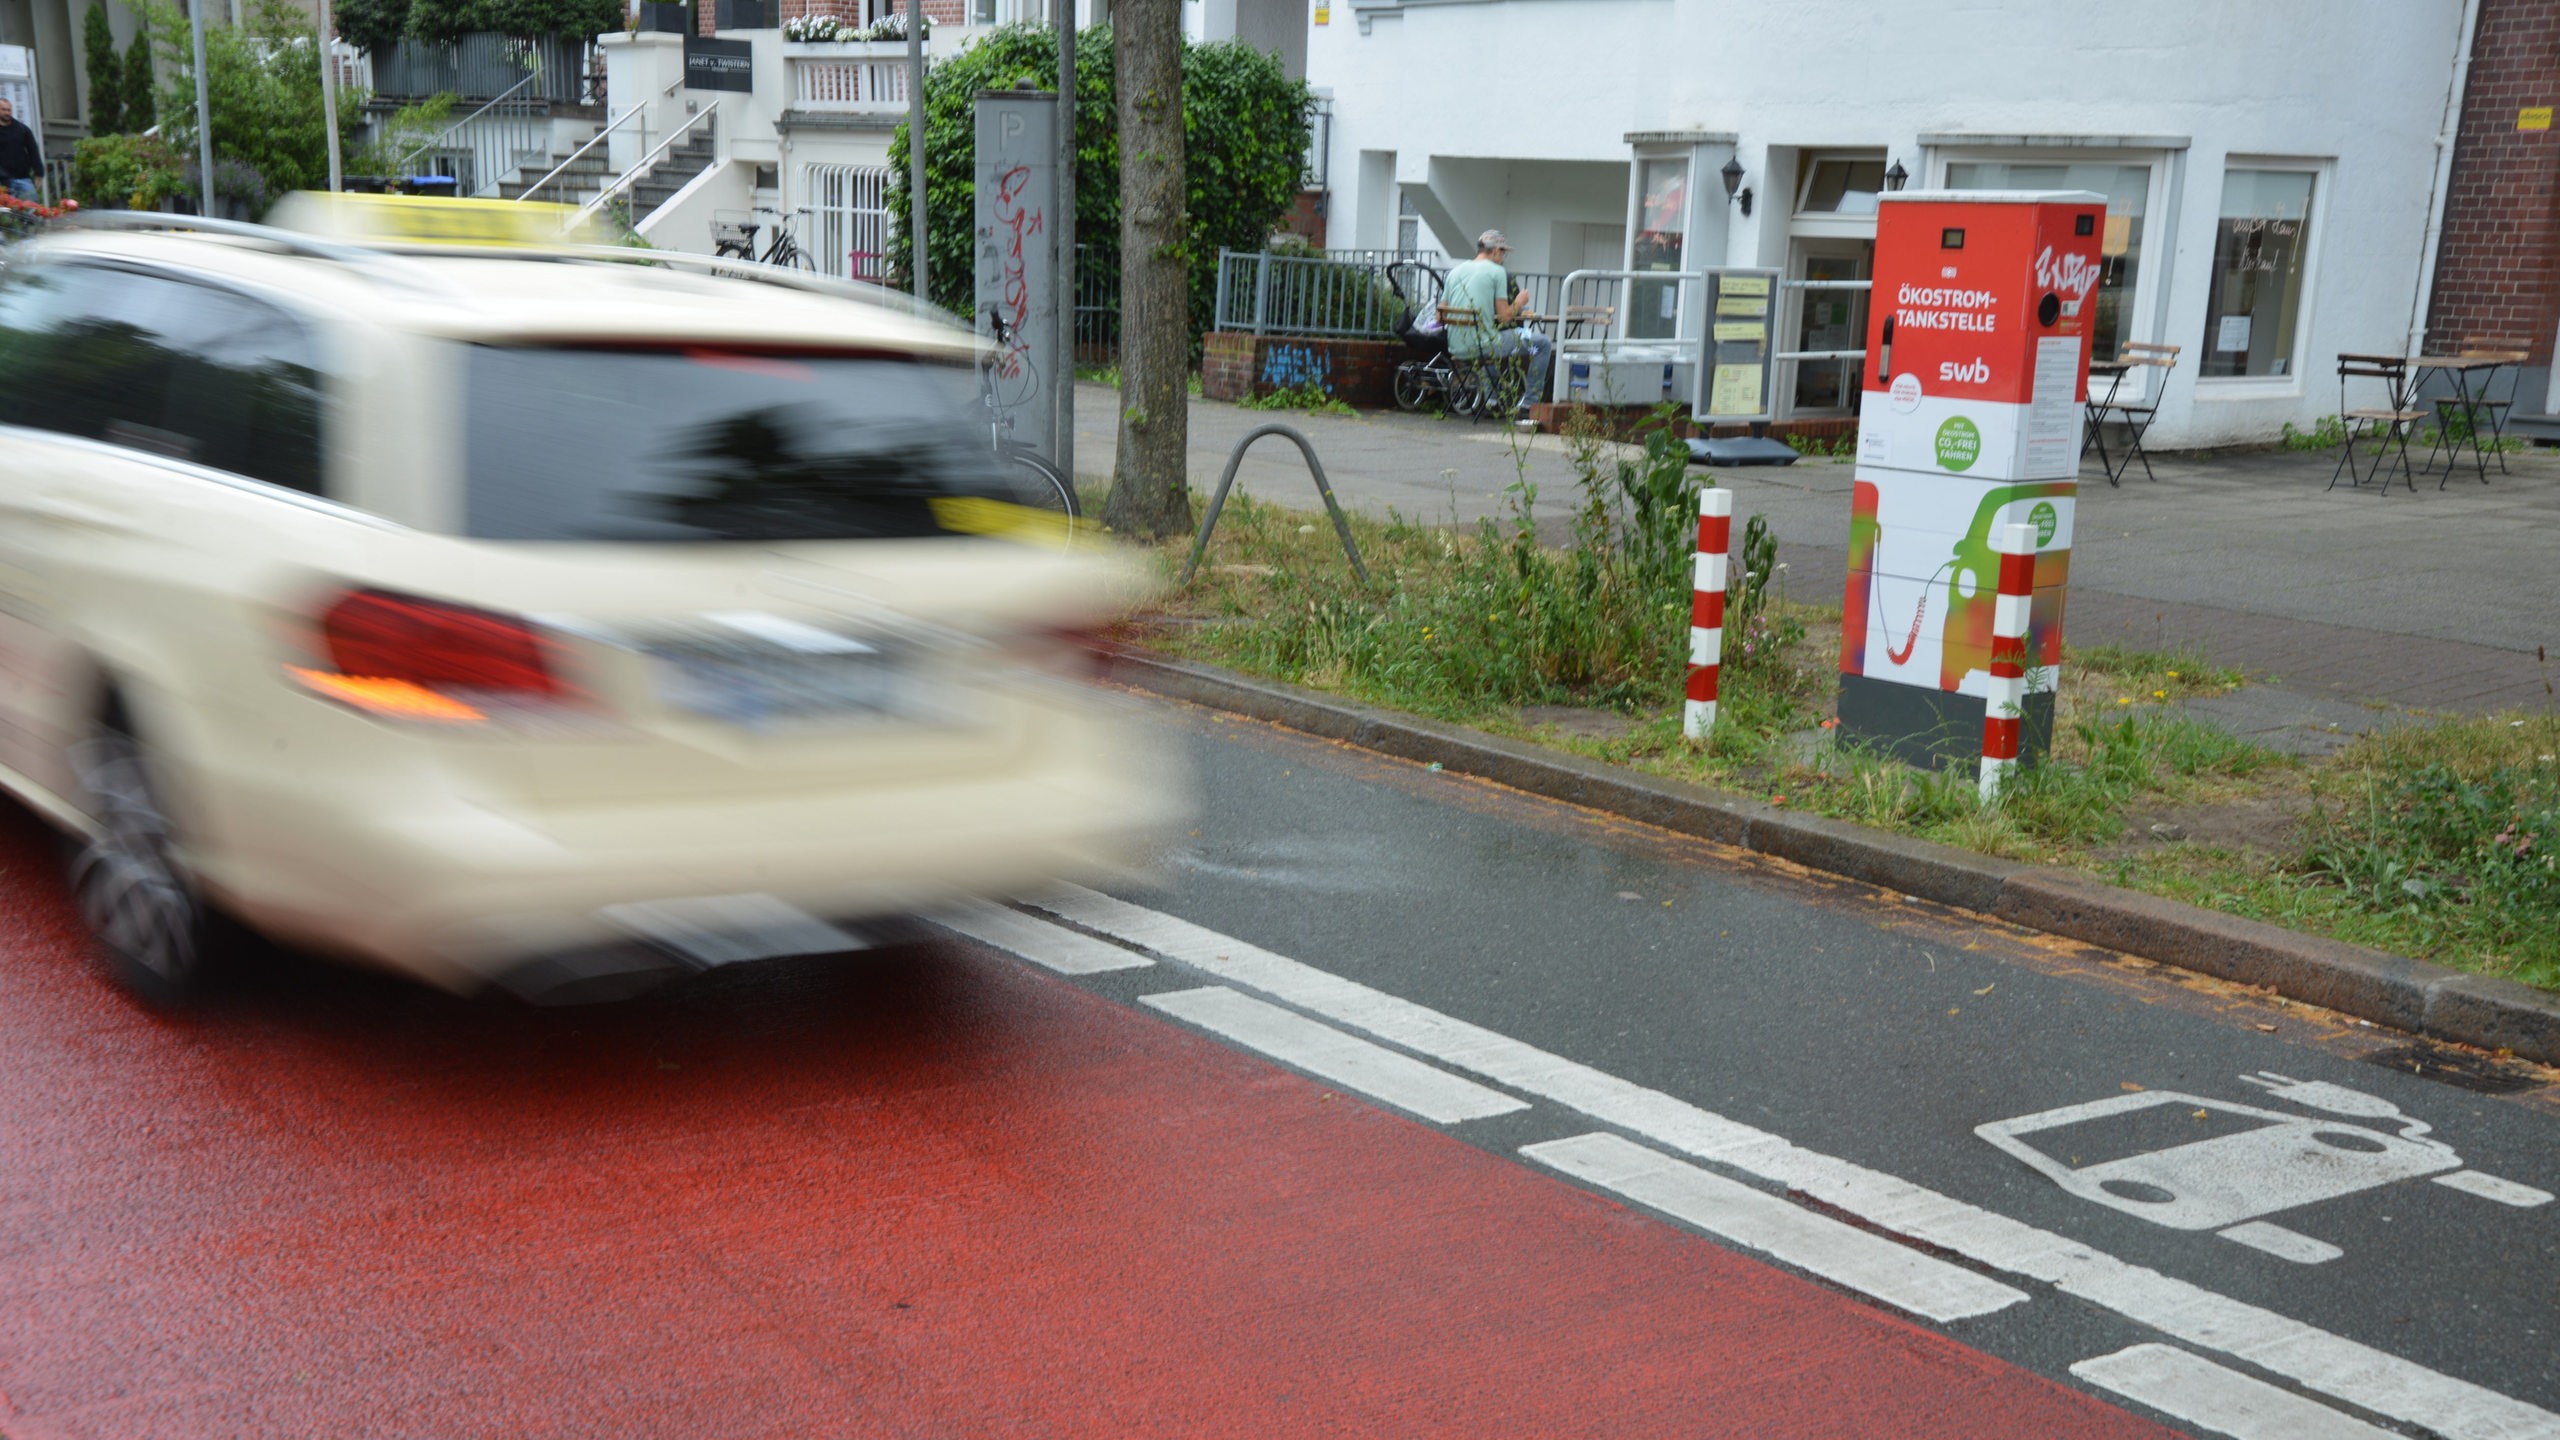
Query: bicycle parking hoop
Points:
[1218, 500]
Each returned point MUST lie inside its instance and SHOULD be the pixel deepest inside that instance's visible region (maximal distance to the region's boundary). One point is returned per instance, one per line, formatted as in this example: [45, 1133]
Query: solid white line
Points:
[1843, 1254]
[2490, 1187]
[2282, 1243]
[2200, 1392]
[1346, 1060]
[1037, 941]
[2332, 1364]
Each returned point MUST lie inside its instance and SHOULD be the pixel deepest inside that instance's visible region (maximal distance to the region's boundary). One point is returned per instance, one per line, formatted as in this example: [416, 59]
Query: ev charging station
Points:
[1977, 376]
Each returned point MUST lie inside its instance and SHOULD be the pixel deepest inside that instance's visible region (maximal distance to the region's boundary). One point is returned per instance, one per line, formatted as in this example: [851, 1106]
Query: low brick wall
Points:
[1622, 422]
[1357, 372]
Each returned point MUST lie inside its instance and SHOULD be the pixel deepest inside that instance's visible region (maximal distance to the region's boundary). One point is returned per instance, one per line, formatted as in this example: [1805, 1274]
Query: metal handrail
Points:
[458, 126]
[642, 166]
[598, 139]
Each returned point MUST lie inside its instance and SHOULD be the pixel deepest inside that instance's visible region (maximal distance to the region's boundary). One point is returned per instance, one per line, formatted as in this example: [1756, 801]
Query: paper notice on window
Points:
[1744, 330]
[2232, 335]
[1742, 305]
[2051, 443]
[2117, 237]
[1743, 285]
[1736, 391]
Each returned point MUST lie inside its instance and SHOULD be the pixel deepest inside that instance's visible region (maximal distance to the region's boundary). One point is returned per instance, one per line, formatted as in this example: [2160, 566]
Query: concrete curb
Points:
[2387, 989]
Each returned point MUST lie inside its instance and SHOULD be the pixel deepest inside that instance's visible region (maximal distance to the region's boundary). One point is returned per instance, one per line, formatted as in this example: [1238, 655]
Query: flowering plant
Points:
[825, 29]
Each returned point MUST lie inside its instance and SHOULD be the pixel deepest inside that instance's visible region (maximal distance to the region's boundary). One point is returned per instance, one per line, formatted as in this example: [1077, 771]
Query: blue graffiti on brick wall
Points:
[1290, 367]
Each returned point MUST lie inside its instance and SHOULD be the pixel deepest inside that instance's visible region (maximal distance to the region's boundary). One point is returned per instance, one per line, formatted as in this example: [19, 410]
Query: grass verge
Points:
[2435, 840]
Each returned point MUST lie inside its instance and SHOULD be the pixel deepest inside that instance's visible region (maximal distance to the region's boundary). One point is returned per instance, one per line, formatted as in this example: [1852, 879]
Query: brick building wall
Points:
[852, 12]
[2498, 261]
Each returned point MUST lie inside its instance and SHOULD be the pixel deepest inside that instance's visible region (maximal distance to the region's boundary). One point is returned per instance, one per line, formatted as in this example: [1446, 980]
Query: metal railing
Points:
[1097, 317]
[641, 167]
[475, 67]
[1850, 365]
[491, 143]
[634, 113]
[1623, 315]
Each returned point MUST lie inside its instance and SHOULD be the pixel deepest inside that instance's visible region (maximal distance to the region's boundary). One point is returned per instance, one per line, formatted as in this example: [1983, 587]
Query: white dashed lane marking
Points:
[2226, 1402]
[1364, 1066]
[2311, 1357]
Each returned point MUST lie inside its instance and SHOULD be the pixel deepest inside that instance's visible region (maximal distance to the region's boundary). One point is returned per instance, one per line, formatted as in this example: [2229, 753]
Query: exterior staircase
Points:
[591, 173]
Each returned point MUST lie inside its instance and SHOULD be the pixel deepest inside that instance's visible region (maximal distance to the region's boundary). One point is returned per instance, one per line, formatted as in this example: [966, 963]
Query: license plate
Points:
[765, 688]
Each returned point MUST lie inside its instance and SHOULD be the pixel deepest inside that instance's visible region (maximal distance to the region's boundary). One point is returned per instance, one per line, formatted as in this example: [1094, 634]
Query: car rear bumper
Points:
[460, 887]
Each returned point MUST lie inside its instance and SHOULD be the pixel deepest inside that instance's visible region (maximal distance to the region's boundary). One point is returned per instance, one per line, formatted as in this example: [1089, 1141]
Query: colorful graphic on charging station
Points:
[1971, 419]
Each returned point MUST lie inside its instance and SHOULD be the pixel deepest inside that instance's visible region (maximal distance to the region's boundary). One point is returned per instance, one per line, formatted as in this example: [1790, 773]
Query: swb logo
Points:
[1975, 373]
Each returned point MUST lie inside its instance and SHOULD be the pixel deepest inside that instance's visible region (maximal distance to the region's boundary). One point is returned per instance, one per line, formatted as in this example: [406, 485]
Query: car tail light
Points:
[415, 659]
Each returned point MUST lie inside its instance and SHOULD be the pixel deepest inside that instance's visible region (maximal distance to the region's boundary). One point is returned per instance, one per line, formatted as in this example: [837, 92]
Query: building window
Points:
[2253, 311]
[851, 235]
[982, 12]
[1662, 233]
[1408, 226]
[1841, 185]
[2128, 192]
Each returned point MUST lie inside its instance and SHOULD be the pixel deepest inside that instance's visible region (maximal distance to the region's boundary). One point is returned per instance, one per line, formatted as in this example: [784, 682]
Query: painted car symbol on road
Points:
[2283, 1161]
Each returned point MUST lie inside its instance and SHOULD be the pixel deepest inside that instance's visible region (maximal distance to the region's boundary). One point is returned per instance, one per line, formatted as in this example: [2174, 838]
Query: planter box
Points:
[1234, 365]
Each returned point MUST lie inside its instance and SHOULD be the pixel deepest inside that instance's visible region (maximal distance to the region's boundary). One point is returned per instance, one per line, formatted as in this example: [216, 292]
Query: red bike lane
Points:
[923, 1192]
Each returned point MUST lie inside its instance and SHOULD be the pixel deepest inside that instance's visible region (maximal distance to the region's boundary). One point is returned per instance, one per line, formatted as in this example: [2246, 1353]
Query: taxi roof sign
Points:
[430, 220]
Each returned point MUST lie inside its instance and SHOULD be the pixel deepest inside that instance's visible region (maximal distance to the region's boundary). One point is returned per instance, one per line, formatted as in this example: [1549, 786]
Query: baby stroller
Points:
[1430, 371]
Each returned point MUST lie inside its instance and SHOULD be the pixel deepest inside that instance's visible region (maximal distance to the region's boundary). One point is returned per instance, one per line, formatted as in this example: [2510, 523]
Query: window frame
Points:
[2323, 171]
[2147, 313]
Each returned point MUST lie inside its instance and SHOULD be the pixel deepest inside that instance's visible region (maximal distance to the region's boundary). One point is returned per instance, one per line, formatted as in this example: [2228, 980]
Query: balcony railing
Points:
[868, 76]
[481, 67]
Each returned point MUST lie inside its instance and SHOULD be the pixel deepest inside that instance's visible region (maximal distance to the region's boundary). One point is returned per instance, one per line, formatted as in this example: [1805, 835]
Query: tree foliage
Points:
[263, 83]
[1245, 134]
[374, 25]
[106, 72]
[450, 19]
[141, 78]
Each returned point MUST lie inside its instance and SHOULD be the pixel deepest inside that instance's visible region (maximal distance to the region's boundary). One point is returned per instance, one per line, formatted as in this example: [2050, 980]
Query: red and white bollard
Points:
[2004, 708]
[1706, 611]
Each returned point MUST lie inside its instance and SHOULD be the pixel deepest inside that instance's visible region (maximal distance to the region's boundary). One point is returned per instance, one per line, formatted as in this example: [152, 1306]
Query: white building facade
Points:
[2274, 170]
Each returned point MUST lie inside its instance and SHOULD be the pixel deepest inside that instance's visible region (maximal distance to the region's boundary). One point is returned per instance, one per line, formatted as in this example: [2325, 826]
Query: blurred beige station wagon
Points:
[528, 615]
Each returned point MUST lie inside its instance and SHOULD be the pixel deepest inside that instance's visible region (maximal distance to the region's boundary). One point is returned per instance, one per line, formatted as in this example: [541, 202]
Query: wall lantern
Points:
[1734, 192]
[1895, 178]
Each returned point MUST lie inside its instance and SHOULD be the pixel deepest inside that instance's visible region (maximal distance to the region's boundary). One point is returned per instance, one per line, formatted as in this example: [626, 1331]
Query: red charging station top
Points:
[1969, 280]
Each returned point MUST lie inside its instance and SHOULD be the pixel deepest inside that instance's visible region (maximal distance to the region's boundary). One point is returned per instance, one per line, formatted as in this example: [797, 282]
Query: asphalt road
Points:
[1404, 1104]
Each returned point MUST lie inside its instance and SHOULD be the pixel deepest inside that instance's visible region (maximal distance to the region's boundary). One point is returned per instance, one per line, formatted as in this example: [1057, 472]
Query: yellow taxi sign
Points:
[432, 220]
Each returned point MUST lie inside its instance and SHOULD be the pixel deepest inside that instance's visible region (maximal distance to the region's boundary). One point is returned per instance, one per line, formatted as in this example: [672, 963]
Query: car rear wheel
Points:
[138, 900]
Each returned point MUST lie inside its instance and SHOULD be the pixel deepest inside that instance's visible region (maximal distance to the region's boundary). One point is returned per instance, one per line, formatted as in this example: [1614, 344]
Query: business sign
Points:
[1977, 377]
[1015, 274]
[719, 64]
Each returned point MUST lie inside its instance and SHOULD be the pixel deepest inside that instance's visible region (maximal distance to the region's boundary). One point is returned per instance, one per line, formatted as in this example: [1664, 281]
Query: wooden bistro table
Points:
[2461, 368]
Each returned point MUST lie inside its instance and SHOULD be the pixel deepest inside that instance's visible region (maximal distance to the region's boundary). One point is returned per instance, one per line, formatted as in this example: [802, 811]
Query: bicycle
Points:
[1042, 484]
[736, 238]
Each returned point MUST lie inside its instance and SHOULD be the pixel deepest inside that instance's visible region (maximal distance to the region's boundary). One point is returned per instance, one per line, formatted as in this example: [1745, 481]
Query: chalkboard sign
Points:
[719, 64]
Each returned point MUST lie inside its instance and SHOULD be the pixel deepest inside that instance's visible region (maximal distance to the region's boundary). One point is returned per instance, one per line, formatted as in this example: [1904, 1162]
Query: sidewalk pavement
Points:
[2431, 601]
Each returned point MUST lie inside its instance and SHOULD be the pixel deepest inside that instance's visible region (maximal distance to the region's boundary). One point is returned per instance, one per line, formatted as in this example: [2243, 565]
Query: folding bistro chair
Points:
[1583, 321]
[2135, 415]
[1494, 382]
[2392, 422]
[2501, 354]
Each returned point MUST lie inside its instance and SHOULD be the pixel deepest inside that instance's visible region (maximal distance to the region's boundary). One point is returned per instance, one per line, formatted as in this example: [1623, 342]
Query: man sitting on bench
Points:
[1484, 287]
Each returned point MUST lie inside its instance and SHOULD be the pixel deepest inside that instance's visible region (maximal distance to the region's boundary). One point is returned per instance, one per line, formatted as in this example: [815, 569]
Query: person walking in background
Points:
[1484, 286]
[21, 160]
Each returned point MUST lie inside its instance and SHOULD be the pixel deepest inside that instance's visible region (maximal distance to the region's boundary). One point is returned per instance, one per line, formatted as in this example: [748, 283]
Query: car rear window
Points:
[712, 444]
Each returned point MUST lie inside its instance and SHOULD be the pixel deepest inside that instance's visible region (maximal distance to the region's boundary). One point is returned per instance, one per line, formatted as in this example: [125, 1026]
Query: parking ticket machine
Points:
[1976, 379]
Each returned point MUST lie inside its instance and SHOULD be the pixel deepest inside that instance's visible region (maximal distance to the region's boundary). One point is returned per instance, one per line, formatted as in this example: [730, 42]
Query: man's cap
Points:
[1493, 240]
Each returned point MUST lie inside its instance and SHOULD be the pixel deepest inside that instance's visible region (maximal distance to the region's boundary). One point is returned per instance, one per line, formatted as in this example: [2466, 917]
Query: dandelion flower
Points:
[2124, 699]
[2173, 674]
[2159, 694]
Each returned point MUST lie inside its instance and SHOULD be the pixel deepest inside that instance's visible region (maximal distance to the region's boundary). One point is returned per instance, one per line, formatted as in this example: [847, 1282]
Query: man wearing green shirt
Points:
[1485, 287]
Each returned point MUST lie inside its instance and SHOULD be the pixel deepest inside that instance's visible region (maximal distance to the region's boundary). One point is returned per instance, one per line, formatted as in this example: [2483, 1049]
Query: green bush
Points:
[264, 85]
[1244, 135]
[106, 72]
[126, 172]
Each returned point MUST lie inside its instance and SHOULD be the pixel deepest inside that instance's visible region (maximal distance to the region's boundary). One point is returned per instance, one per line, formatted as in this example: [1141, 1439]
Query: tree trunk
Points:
[1150, 489]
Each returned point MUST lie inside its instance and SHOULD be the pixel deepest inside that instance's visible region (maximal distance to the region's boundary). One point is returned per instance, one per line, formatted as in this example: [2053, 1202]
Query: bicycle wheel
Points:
[1464, 391]
[1044, 487]
[1411, 388]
